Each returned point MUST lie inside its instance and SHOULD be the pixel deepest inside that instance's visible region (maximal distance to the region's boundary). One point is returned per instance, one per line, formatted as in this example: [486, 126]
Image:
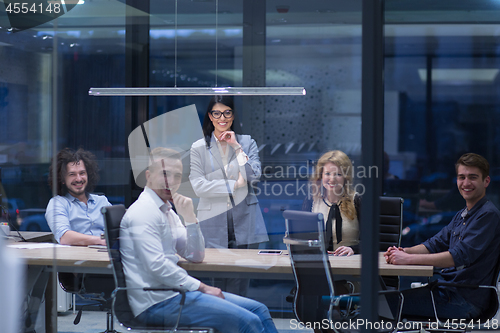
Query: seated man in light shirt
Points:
[151, 237]
[74, 215]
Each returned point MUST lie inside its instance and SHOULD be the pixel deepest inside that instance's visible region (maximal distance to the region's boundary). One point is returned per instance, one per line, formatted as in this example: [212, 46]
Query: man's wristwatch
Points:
[102, 236]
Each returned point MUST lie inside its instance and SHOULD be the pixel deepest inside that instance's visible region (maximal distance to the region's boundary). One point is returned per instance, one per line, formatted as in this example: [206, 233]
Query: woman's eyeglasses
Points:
[218, 114]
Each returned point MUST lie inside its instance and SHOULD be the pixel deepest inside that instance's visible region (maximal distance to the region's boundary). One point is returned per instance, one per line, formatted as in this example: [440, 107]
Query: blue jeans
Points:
[229, 315]
[449, 304]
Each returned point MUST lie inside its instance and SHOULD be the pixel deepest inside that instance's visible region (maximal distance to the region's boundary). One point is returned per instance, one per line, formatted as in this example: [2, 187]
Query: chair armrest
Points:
[380, 292]
[309, 242]
[162, 289]
[182, 292]
[149, 289]
[456, 285]
[460, 285]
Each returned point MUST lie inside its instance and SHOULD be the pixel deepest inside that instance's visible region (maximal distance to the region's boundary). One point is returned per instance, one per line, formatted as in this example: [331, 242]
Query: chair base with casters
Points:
[316, 298]
[120, 305]
[90, 287]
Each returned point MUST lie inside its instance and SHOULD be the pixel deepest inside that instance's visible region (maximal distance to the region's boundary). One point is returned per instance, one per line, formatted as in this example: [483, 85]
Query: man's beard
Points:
[74, 193]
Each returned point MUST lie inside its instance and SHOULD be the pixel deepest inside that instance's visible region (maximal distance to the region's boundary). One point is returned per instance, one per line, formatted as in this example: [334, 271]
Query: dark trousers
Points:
[449, 304]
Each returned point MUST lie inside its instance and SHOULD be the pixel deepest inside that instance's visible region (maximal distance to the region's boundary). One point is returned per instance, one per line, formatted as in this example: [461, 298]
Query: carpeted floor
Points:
[95, 322]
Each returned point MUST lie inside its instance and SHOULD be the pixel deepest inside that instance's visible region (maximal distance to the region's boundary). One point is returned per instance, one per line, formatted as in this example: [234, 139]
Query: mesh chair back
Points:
[409, 190]
[310, 264]
[391, 215]
[112, 217]
[391, 222]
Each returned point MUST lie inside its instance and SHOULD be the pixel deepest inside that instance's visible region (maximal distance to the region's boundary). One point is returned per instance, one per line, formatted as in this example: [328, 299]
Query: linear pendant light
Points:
[198, 91]
[201, 91]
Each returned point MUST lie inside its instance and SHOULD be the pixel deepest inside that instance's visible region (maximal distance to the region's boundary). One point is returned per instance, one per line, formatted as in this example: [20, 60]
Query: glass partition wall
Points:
[441, 72]
[440, 97]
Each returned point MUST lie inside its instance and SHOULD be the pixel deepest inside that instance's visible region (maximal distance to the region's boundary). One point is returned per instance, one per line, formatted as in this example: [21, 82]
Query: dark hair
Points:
[474, 160]
[66, 156]
[160, 153]
[208, 127]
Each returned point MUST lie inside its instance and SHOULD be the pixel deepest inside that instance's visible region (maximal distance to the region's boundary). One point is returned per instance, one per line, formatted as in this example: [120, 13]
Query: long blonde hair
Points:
[341, 160]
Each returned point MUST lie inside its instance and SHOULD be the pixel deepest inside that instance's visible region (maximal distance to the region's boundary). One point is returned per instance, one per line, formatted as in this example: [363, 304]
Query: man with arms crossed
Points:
[74, 215]
[151, 236]
[467, 249]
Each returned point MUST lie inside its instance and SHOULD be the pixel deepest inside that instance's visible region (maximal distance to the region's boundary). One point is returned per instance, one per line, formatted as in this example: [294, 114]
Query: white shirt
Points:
[151, 236]
[241, 157]
[350, 228]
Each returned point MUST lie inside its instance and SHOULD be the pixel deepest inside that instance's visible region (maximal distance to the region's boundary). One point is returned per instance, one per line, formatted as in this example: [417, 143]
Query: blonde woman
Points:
[333, 195]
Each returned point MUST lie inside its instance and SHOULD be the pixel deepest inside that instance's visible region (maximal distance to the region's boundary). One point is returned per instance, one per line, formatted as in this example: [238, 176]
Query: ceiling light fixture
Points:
[70, 2]
[460, 75]
[198, 91]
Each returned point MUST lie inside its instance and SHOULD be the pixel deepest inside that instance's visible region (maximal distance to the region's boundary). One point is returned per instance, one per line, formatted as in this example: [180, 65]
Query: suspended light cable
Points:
[198, 91]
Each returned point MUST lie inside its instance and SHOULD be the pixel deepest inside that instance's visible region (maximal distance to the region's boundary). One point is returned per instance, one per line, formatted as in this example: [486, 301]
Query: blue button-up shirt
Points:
[68, 213]
[472, 238]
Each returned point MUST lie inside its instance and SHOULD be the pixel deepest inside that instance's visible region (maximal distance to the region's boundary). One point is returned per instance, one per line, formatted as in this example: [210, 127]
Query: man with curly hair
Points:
[74, 215]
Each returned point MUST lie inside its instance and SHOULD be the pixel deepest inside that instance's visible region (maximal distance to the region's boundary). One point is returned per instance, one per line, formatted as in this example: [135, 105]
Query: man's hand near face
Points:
[184, 207]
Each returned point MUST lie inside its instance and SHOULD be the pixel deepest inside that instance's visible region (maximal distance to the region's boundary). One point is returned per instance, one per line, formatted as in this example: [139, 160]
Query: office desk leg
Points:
[36, 284]
[51, 304]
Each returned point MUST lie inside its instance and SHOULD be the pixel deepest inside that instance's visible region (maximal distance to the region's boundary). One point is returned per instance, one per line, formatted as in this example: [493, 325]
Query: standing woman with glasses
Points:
[224, 166]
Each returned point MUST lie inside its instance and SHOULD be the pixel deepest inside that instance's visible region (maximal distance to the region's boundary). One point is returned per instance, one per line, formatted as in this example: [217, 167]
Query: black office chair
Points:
[391, 223]
[96, 288]
[315, 298]
[93, 288]
[407, 189]
[120, 306]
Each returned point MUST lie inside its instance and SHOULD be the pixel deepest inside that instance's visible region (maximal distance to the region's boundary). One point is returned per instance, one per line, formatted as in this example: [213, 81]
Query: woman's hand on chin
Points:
[230, 138]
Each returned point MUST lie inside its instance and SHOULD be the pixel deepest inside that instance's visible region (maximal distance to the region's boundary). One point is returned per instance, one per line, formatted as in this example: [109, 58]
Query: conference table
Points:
[42, 259]
[32, 236]
[217, 263]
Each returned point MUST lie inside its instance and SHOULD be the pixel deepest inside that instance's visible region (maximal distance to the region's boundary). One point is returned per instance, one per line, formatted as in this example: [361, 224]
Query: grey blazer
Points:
[210, 186]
